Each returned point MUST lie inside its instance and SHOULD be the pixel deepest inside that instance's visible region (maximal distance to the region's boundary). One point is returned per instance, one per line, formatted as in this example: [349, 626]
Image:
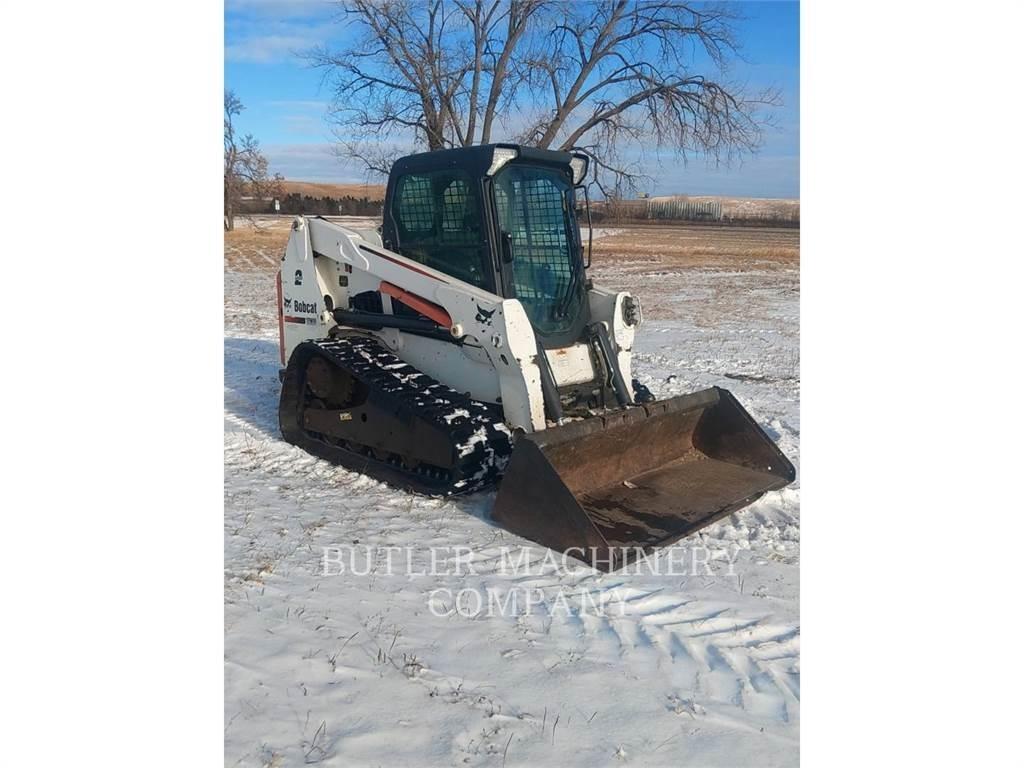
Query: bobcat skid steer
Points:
[463, 345]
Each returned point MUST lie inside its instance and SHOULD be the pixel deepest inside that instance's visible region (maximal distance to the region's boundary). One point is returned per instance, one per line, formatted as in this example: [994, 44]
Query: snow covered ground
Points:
[394, 666]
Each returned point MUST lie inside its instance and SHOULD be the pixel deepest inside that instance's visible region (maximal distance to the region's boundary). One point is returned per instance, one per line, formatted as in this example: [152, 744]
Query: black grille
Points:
[458, 217]
[416, 205]
[439, 224]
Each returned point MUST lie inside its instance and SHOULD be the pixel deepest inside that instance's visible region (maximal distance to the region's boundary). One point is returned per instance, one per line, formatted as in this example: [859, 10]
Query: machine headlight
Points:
[579, 165]
[631, 313]
[501, 156]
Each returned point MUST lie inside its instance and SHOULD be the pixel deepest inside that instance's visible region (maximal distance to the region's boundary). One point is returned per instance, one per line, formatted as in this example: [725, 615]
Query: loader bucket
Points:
[608, 488]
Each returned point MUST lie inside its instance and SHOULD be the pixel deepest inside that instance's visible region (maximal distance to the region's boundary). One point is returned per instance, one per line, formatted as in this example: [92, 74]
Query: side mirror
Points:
[506, 247]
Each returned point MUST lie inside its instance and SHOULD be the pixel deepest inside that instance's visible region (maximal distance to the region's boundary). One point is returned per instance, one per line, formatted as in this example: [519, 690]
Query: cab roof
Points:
[475, 159]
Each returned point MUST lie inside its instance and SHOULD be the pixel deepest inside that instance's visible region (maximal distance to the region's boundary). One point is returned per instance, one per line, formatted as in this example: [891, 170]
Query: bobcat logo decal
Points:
[483, 316]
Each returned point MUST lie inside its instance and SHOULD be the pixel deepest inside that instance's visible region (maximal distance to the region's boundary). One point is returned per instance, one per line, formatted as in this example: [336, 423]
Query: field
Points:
[257, 242]
[317, 189]
[700, 666]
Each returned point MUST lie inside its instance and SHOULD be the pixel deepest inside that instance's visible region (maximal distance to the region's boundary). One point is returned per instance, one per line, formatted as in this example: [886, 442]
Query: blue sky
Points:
[285, 103]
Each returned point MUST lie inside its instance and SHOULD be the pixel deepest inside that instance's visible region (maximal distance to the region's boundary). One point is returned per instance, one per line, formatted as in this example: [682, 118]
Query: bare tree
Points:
[245, 167]
[607, 76]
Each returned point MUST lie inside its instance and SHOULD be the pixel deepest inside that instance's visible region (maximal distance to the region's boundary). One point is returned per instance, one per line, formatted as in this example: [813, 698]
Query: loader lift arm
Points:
[498, 327]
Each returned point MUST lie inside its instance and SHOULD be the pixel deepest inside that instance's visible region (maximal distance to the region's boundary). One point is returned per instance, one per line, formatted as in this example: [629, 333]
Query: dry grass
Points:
[316, 189]
[725, 270]
[256, 245]
[730, 273]
[701, 247]
[638, 254]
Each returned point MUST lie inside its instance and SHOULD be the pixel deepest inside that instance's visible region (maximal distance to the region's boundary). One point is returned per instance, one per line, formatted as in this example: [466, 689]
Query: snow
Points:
[598, 232]
[456, 414]
[698, 664]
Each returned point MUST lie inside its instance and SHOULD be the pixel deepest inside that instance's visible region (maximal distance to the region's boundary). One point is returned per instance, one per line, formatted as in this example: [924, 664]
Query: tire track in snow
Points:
[711, 654]
[745, 660]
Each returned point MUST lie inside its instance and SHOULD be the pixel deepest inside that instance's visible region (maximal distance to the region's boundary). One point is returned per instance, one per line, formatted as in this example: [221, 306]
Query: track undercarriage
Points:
[351, 401]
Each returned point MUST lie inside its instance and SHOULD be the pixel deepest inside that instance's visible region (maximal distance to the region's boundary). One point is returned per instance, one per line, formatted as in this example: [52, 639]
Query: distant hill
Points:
[318, 189]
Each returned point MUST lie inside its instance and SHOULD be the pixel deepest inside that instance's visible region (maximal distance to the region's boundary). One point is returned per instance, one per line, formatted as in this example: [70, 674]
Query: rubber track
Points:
[481, 440]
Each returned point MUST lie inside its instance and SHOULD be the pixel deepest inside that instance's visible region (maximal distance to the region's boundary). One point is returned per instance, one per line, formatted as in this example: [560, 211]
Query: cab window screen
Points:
[439, 224]
[533, 209]
[415, 206]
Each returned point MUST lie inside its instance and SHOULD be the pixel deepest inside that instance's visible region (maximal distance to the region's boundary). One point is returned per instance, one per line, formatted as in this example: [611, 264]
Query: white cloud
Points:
[302, 124]
[299, 104]
[265, 49]
[312, 162]
[763, 175]
[265, 32]
[280, 8]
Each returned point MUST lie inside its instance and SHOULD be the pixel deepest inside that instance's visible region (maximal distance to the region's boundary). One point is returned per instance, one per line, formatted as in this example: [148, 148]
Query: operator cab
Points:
[501, 217]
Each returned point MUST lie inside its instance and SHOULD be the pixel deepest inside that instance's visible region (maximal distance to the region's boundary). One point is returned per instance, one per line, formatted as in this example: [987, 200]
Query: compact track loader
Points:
[462, 344]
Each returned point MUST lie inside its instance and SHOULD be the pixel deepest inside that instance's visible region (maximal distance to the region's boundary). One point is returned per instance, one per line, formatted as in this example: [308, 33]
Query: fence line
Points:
[684, 209]
[688, 210]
